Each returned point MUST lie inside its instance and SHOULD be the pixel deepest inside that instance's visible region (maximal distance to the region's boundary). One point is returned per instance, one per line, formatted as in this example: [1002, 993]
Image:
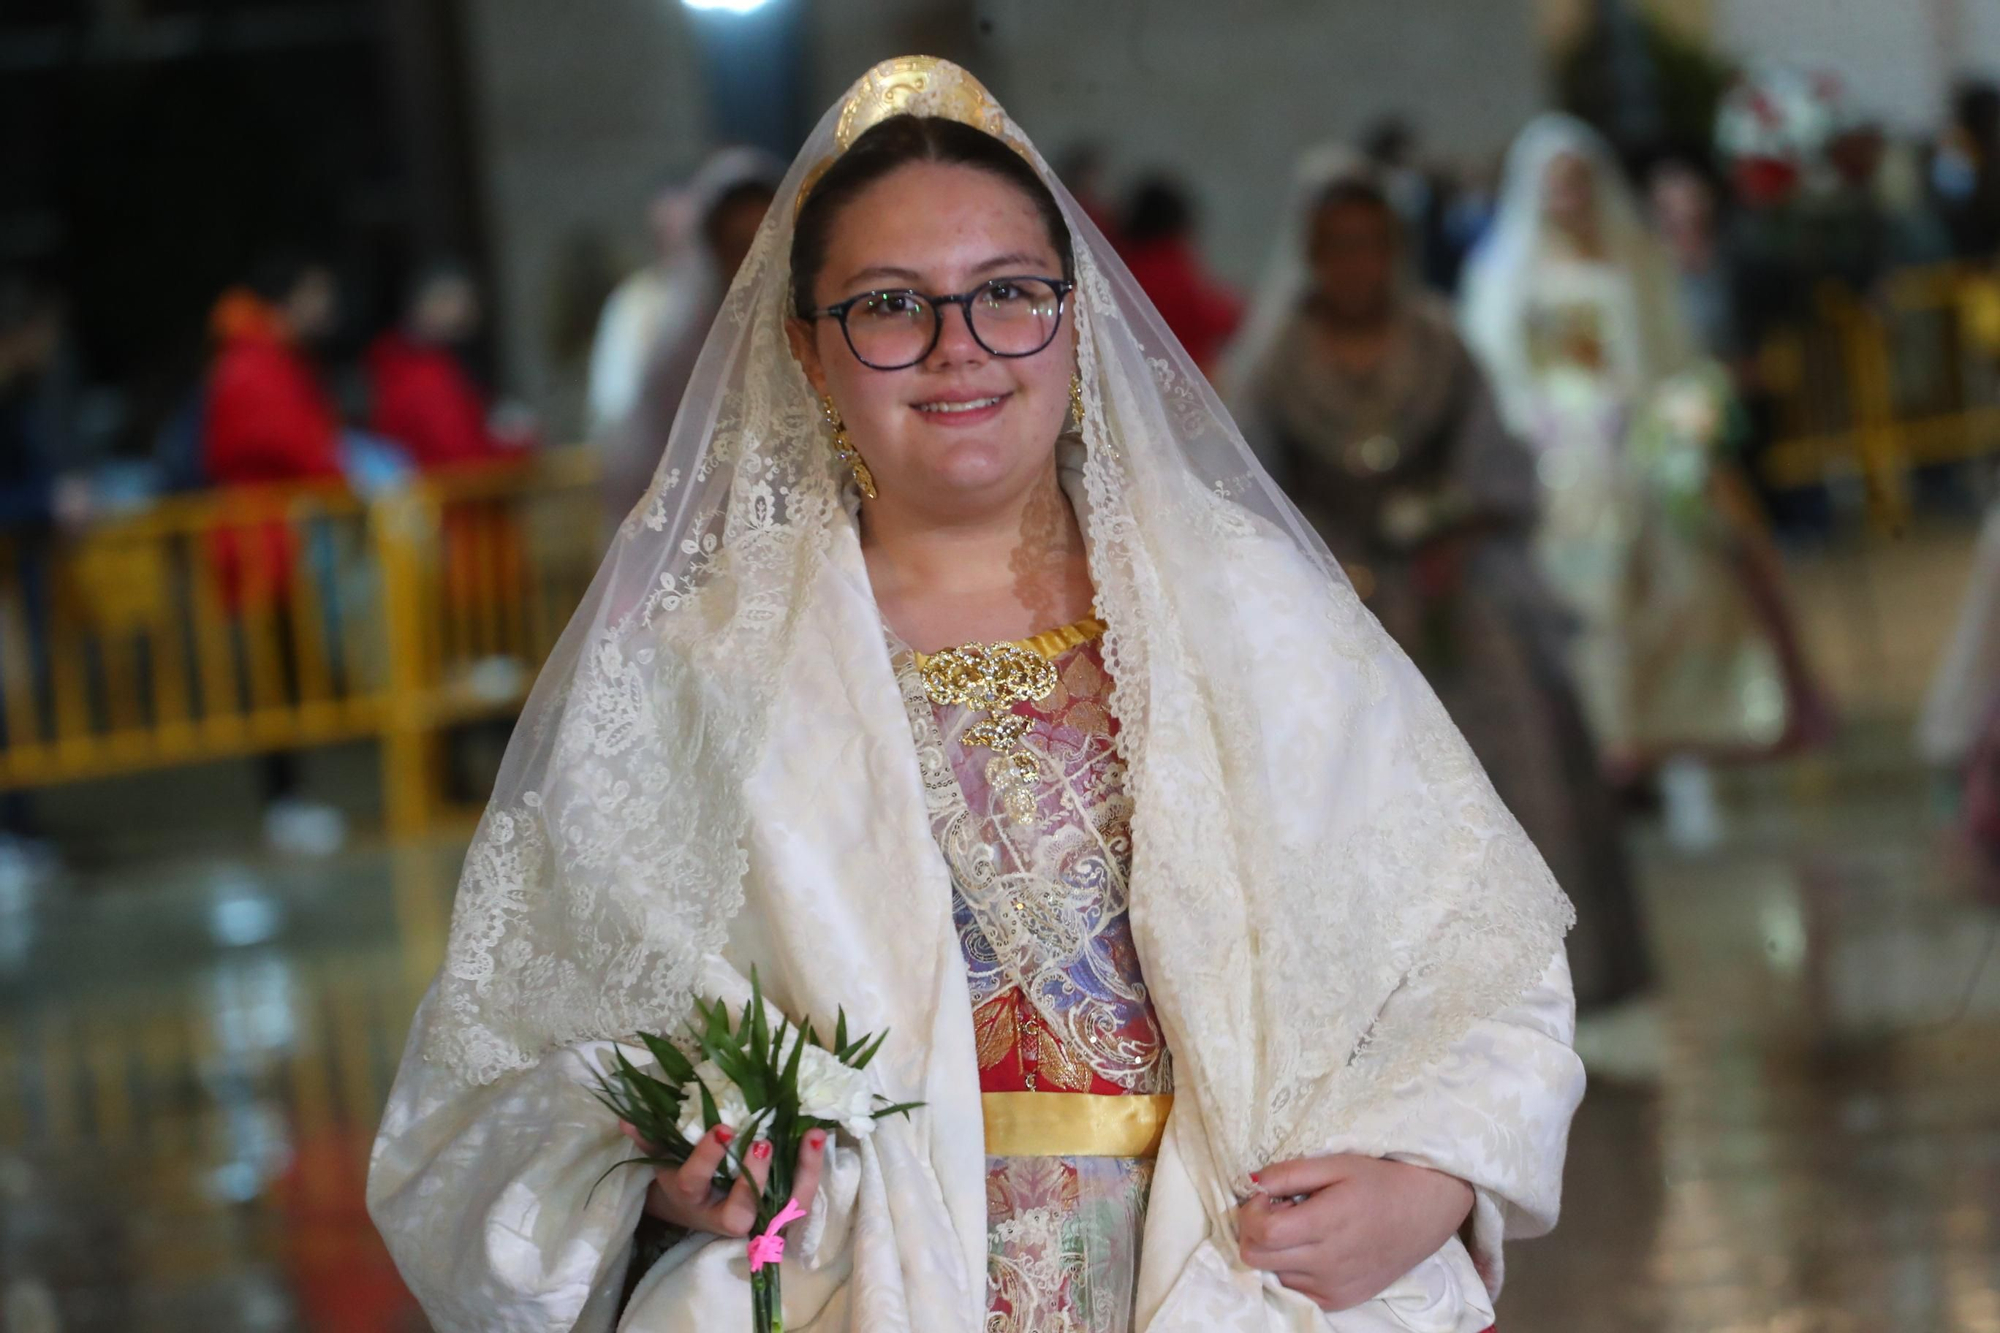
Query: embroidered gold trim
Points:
[1050, 643]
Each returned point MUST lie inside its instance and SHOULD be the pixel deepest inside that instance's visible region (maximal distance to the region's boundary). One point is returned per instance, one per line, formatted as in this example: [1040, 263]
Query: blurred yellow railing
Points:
[482, 571]
[252, 621]
[1876, 388]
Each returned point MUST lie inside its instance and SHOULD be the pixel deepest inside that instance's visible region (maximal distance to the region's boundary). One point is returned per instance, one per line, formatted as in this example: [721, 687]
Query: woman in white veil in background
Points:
[1682, 650]
[1234, 997]
[1572, 306]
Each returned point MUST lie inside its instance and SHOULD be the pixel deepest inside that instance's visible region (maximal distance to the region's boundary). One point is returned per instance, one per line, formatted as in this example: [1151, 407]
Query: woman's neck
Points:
[1006, 574]
[1583, 241]
[1355, 344]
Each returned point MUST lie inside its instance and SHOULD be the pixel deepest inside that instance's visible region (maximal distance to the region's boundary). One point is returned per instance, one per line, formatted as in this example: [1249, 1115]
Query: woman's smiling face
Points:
[962, 432]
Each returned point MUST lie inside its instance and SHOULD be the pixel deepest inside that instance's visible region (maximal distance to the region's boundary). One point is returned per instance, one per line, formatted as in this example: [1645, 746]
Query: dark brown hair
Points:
[897, 142]
[1352, 192]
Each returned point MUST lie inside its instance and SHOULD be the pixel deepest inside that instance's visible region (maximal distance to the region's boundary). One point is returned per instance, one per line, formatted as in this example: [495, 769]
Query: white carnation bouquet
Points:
[767, 1085]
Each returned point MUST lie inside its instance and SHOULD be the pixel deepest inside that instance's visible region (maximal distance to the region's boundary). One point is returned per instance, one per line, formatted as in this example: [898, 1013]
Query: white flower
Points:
[830, 1090]
[1689, 408]
[730, 1108]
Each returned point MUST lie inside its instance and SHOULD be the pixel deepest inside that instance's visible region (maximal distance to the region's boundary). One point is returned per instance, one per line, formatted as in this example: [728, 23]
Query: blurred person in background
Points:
[1383, 429]
[268, 416]
[37, 499]
[425, 401]
[1958, 732]
[1965, 171]
[1966, 685]
[422, 394]
[1824, 205]
[1880, 187]
[1157, 242]
[1683, 649]
[1822, 195]
[653, 325]
[267, 419]
[1421, 198]
[1084, 171]
[1684, 213]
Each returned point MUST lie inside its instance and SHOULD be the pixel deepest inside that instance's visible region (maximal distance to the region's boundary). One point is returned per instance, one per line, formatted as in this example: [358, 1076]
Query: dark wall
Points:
[150, 151]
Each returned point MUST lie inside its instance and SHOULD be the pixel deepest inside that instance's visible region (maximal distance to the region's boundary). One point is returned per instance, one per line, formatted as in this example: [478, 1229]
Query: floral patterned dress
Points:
[1039, 867]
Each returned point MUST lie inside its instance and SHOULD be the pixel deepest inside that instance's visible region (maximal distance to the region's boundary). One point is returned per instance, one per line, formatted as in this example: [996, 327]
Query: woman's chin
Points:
[972, 467]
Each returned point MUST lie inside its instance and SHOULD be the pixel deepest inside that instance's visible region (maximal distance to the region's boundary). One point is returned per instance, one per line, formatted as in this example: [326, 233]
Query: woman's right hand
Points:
[685, 1196]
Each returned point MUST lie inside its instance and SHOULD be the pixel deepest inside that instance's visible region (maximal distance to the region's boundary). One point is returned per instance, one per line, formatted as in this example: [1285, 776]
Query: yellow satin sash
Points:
[1074, 1124]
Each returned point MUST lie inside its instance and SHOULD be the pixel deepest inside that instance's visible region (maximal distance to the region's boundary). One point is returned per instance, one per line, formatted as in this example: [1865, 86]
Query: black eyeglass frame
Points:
[838, 310]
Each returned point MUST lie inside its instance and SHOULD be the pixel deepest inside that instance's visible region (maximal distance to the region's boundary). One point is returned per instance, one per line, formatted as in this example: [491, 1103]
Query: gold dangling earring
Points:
[844, 449]
[1076, 399]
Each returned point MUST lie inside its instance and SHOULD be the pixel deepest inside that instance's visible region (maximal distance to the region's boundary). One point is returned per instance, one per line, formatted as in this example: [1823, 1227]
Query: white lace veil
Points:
[1312, 837]
[1499, 276]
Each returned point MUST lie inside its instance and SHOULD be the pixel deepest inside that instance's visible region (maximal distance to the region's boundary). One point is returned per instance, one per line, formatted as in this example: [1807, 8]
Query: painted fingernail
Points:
[816, 1140]
[1255, 1178]
[723, 1134]
[762, 1151]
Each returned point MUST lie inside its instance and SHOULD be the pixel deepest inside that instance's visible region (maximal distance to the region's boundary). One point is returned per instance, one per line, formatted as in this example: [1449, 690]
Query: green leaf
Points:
[748, 1076]
[776, 1052]
[710, 1117]
[900, 1108]
[756, 1022]
[840, 1029]
[611, 1105]
[673, 1062]
[868, 1053]
[788, 1080]
[659, 1105]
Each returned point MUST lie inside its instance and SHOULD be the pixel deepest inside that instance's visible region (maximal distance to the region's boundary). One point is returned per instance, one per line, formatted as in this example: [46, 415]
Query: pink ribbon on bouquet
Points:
[769, 1248]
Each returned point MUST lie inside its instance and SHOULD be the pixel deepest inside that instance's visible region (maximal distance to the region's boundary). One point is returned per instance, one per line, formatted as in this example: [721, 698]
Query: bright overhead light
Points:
[727, 6]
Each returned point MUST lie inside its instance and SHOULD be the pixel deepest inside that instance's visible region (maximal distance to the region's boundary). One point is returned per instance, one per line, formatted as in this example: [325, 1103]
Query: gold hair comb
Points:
[916, 86]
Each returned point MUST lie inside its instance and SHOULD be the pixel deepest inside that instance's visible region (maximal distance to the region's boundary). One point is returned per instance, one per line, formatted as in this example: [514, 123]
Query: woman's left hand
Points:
[1363, 1223]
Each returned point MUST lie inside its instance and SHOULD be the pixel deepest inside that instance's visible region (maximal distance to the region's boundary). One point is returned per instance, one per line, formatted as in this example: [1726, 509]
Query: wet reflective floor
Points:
[1825, 1154]
[193, 1052]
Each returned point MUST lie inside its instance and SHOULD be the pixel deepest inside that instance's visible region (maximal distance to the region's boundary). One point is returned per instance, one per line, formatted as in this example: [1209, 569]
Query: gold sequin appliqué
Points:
[994, 677]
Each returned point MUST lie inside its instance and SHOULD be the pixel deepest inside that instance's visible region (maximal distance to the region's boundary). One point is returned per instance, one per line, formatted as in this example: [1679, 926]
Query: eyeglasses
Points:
[893, 330]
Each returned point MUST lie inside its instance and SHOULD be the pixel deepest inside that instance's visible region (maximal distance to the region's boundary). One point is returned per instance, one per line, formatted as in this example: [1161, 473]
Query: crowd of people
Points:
[264, 412]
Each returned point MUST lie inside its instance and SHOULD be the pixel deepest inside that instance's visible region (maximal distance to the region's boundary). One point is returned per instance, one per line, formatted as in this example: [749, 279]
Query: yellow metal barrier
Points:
[252, 621]
[481, 571]
[1877, 388]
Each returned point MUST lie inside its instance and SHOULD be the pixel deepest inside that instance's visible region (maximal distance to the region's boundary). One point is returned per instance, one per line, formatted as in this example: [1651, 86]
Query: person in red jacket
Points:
[426, 402]
[268, 421]
[424, 399]
[268, 418]
[1158, 245]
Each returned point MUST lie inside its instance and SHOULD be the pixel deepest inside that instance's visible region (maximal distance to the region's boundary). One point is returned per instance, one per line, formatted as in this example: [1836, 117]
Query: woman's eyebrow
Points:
[1014, 260]
[885, 272]
[877, 272]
